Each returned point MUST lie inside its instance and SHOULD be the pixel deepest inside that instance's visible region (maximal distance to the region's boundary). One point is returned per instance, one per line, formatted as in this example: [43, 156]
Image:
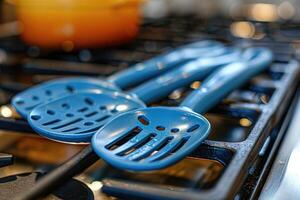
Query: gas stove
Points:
[229, 164]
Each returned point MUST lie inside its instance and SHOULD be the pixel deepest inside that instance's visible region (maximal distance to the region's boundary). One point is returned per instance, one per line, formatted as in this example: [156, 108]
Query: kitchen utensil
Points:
[154, 138]
[75, 24]
[75, 118]
[25, 101]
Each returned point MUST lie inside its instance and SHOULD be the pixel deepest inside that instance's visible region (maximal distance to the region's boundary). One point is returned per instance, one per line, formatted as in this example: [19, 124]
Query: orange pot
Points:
[74, 24]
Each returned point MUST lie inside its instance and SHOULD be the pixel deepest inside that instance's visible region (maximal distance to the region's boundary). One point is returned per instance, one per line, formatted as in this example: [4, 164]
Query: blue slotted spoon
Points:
[156, 137]
[75, 118]
[25, 101]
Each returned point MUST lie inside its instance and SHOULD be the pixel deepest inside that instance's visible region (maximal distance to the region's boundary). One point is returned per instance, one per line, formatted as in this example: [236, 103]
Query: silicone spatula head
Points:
[151, 138]
[75, 118]
[25, 101]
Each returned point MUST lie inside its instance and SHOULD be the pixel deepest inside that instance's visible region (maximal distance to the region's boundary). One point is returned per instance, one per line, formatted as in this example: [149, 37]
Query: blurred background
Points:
[74, 24]
[257, 10]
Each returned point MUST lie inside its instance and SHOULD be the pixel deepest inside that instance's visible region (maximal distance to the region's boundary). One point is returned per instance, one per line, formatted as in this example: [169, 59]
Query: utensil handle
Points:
[61, 174]
[159, 64]
[160, 87]
[228, 78]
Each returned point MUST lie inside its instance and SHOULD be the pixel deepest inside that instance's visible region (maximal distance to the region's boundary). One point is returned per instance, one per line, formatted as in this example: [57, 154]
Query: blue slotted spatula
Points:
[156, 137]
[25, 101]
[75, 118]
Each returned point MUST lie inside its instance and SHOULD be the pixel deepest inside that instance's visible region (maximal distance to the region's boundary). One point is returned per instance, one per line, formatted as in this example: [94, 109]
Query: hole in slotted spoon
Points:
[122, 140]
[166, 142]
[91, 114]
[82, 109]
[35, 98]
[164, 155]
[114, 110]
[48, 92]
[181, 143]
[193, 128]
[88, 123]
[51, 122]
[67, 124]
[102, 108]
[65, 105]
[35, 117]
[69, 115]
[70, 89]
[143, 120]
[50, 112]
[20, 102]
[160, 128]
[138, 145]
[88, 101]
[175, 130]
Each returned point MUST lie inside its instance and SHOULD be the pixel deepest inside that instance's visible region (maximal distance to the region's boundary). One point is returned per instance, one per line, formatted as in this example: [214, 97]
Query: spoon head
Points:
[150, 138]
[76, 117]
[25, 101]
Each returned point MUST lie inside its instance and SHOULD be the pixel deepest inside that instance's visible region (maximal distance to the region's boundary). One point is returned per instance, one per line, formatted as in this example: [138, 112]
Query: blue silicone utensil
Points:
[25, 101]
[157, 137]
[75, 118]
